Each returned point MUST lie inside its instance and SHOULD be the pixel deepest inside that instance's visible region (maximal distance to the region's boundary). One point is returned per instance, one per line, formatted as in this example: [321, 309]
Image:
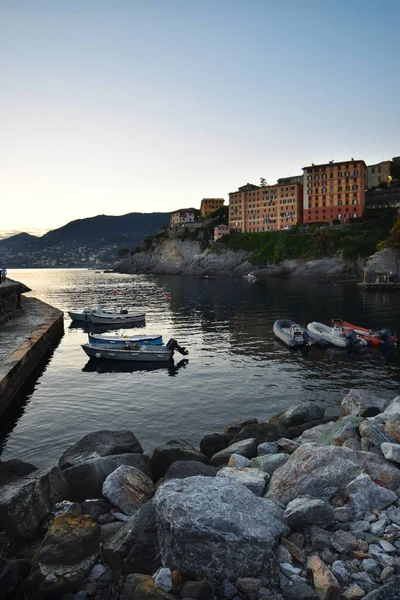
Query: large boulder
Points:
[322, 472]
[214, 442]
[11, 470]
[238, 425]
[269, 463]
[366, 495]
[389, 591]
[214, 527]
[174, 450]
[304, 511]
[67, 554]
[362, 403]
[247, 448]
[189, 468]
[134, 548]
[299, 414]
[128, 488]
[261, 432]
[12, 574]
[98, 444]
[86, 479]
[27, 501]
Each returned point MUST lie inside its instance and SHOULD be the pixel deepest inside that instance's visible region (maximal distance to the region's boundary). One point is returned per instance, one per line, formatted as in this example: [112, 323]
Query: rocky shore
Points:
[299, 507]
[177, 257]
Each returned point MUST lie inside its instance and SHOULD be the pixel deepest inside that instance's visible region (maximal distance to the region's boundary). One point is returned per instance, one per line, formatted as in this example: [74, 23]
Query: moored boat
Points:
[374, 337]
[98, 316]
[123, 340]
[336, 335]
[145, 353]
[294, 335]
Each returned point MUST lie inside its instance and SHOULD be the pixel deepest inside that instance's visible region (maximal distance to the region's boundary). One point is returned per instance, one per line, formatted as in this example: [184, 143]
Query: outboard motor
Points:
[351, 337]
[173, 345]
[387, 336]
[306, 338]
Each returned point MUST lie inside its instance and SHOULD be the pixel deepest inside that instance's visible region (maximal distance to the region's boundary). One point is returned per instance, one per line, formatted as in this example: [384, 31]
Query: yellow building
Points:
[210, 205]
[379, 173]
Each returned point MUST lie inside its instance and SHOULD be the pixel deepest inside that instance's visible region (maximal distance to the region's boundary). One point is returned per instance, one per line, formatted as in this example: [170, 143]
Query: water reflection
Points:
[112, 366]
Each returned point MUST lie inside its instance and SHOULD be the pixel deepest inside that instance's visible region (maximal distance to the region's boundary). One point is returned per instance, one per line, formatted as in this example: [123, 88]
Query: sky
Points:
[118, 106]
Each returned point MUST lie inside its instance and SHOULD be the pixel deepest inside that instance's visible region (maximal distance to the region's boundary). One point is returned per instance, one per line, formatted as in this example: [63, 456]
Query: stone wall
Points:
[10, 300]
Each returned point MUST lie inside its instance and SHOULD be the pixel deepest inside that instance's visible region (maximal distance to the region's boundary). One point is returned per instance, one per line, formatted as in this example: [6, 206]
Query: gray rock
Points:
[387, 574]
[163, 579]
[237, 460]
[366, 495]
[201, 517]
[174, 450]
[248, 585]
[267, 448]
[247, 448]
[375, 550]
[314, 433]
[301, 591]
[98, 444]
[364, 580]
[320, 538]
[134, 548]
[86, 479]
[229, 590]
[362, 403]
[299, 414]
[27, 501]
[128, 488]
[342, 514]
[371, 566]
[373, 431]
[286, 445]
[325, 471]
[393, 514]
[253, 479]
[289, 570]
[391, 451]
[12, 574]
[393, 408]
[283, 555]
[215, 442]
[11, 470]
[197, 590]
[304, 511]
[378, 527]
[269, 463]
[359, 528]
[189, 468]
[108, 530]
[236, 426]
[343, 542]
[340, 571]
[387, 546]
[261, 432]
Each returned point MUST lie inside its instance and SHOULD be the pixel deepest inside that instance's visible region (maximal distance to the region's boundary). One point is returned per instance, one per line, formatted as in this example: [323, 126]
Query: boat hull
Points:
[81, 317]
[117, 319]
[143, 354]
[122, 340]
[282, 331]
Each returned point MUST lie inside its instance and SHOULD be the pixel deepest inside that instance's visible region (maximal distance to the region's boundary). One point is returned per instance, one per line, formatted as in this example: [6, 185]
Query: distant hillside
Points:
[83, 242]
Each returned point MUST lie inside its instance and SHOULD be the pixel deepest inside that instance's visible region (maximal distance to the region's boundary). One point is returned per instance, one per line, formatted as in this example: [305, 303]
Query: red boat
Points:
[374, 337]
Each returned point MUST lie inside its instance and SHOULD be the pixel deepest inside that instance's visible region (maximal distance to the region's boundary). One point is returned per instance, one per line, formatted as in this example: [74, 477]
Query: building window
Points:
[347, 188]
[340, 174]
[340, 188]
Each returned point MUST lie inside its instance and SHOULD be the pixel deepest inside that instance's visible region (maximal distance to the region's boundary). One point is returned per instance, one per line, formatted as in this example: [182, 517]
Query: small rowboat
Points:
[145, 353]
[336, 335]
[122, 341]
[294, 335]
[374, 337]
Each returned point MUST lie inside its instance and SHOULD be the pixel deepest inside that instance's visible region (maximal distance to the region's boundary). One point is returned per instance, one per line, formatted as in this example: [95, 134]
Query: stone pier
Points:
[29, 330]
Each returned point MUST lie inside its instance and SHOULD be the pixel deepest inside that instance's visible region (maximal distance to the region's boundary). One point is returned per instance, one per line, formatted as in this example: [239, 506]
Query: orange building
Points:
[266, 208]
[210, 205]
[334, 191]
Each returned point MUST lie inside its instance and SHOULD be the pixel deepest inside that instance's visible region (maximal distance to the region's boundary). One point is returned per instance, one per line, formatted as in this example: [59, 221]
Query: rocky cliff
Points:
[187, 258]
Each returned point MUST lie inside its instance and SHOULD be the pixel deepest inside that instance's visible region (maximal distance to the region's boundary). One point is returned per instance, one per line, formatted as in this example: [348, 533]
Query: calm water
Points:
[236, 367]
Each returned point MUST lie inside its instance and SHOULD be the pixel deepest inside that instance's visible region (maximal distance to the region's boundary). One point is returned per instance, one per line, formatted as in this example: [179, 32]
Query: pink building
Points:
[221, 230]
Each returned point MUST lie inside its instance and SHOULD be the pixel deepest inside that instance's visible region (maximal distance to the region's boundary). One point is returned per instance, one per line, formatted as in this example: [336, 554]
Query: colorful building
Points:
[210, 205]
[183, 216]
[221, 230]
[266, 208]
[334, 191]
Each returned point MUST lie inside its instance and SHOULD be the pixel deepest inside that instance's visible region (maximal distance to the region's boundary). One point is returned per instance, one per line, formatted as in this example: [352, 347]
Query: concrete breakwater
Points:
[302, 506]
[24, 342]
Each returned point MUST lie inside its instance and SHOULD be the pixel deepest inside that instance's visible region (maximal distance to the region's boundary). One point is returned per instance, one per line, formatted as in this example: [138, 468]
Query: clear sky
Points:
[116, 106]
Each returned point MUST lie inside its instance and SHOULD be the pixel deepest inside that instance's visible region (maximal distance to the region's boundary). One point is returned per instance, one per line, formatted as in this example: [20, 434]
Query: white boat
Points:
[98, 316]
[294, 335]
[124, 340]
[250, 277]
[145, 353]
[336, 335]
